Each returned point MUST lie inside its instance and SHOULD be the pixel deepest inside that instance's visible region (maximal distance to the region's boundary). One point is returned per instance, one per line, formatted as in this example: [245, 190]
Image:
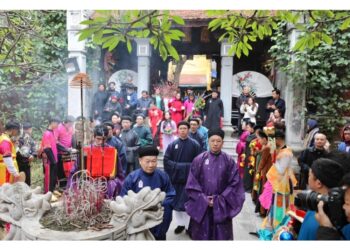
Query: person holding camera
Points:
[324, 175]
[326, 230]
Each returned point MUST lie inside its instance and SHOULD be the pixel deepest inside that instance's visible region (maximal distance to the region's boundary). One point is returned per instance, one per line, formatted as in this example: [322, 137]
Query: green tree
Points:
[33, 83]
[240, 28]
[109, 28]
[324, 73]
[243, 28]
[318, 61]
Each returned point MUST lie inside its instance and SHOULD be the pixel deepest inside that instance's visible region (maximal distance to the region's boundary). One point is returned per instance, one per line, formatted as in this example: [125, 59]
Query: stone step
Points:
[231, 139]
[229, 148]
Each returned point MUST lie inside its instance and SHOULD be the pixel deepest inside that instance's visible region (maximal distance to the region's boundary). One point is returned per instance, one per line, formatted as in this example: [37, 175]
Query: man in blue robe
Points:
[215, 192]
[195, 134]
[177, 161]
[149, 176]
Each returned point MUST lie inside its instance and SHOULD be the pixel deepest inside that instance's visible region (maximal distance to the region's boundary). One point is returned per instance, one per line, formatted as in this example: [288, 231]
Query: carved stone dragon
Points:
[18, 201]
[139, 212]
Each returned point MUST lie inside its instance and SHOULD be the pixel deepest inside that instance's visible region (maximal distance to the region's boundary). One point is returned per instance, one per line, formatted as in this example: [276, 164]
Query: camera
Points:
[333, 204]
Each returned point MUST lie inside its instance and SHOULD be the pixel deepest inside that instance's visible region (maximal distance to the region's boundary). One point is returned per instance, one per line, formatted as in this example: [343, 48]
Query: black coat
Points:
[214, 110]
[280, 104]
[162, 106]
[305, 160]
[99, 102]
[327, 233]
[132, 142]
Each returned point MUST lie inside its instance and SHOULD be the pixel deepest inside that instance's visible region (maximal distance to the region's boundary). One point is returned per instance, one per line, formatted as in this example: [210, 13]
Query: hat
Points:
[126, 117]
[54, 119]
[100, 130]
[327, 171]
[218, 132]
[343, 158]
[27, 125]
[279, 133]
[129, 86]
[116, 113]
[109, 124]
[140, 115]
[183, 123]
[148, 151]
[12, 125]
[346, 127]
[269, 131]
[69, 118]
[312, 123]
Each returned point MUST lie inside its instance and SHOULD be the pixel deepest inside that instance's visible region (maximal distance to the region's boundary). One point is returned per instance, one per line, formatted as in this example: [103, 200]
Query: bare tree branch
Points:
[12, 47]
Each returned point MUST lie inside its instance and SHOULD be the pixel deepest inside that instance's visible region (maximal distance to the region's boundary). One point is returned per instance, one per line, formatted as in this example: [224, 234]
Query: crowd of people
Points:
[265, 164]
[205, 188]
[155, 116]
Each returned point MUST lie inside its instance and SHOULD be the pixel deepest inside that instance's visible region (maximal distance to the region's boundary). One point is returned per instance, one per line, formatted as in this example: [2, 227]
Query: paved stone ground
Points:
[2, 233]
[244, 223]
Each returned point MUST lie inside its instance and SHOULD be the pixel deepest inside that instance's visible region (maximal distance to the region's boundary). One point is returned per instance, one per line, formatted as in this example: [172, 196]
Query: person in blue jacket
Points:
[326, 230]
[344, 146]
[149, 176]
[323, 175]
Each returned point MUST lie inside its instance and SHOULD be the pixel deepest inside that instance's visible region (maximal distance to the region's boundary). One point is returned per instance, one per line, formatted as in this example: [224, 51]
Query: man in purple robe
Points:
[215, 192]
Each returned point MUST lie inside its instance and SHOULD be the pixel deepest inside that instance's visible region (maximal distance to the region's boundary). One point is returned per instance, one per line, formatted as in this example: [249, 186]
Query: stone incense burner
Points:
[132, 216]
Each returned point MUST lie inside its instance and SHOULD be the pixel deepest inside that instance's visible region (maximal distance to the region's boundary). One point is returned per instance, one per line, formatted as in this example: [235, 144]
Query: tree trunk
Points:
[178, 69]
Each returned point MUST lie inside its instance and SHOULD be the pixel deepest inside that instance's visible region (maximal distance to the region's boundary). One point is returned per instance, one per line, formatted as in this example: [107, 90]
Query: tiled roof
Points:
[190, 14]
[201, 14]
[194, 14]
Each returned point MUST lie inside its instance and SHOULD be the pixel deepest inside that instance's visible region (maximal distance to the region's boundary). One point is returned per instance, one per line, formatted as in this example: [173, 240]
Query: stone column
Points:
[76, 49]
[143, 65]
[226, 86]
[294, 96]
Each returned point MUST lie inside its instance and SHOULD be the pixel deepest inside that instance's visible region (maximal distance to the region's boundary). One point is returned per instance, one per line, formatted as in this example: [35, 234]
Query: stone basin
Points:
[133, 215]
[32, 229]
